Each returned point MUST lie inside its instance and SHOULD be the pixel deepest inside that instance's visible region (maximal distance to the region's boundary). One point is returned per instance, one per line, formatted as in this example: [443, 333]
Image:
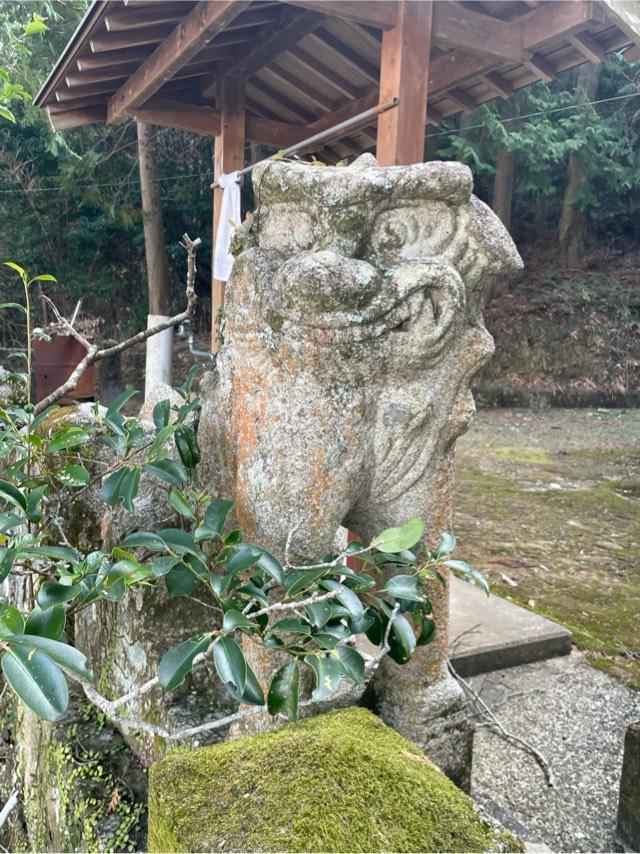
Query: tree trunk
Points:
[157, 264]
[503, 186]
[572, 224]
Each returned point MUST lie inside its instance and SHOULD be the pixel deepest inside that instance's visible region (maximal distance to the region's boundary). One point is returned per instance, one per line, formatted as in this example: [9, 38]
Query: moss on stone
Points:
[339, 782]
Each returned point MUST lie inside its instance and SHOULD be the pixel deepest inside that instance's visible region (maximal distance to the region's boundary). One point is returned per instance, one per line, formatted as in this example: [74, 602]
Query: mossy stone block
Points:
[343, 781]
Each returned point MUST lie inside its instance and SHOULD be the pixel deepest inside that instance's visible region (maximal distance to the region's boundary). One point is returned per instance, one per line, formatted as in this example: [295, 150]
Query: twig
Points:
[94, 354]
[492, 722]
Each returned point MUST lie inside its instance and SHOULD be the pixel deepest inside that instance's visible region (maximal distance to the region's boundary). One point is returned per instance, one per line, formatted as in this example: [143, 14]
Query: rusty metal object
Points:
[54, 361]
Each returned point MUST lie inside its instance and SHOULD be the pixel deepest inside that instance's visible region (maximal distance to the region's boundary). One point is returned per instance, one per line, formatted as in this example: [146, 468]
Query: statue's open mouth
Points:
[365, 301]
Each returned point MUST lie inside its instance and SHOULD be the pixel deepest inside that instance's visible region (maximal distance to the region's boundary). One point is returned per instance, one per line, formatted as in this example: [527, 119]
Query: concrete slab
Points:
[576, 717]
[492, 633]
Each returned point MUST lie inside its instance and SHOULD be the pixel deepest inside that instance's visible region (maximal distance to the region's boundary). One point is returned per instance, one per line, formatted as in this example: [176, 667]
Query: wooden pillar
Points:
[404, 74]
[228, 156]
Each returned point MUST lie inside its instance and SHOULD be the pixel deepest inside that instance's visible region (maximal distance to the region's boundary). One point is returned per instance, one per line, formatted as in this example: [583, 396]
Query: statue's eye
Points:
[392, 234]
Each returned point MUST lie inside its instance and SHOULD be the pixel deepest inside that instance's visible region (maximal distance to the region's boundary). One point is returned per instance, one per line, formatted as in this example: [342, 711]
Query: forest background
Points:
[560, 164]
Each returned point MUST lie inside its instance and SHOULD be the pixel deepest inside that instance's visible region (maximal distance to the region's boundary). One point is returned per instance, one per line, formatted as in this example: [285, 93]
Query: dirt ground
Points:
[548, 507]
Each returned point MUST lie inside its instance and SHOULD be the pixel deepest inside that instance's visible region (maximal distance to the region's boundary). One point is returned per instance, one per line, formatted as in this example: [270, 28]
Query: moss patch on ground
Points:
[339, 782]
[548, 507]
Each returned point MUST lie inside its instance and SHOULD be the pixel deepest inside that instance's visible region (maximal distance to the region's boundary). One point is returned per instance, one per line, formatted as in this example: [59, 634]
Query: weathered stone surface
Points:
[353, 329]
[629, 804]
[81, 788]
[338, 782]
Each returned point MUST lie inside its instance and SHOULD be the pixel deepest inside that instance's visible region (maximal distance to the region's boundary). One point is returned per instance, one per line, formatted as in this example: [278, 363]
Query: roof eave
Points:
[91, 18]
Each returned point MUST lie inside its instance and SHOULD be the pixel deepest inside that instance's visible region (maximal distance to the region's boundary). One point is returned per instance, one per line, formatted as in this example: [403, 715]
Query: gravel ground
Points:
[576, 716]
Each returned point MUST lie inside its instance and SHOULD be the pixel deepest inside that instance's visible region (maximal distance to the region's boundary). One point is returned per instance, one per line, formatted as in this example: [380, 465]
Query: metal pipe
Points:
[383, 107]
[185, 331]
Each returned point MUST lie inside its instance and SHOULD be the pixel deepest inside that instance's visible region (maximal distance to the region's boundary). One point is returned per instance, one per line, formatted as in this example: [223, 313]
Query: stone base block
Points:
[338, 782]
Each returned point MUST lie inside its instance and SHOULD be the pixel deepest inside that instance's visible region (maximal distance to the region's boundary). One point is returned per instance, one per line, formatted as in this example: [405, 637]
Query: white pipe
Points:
[159, 355]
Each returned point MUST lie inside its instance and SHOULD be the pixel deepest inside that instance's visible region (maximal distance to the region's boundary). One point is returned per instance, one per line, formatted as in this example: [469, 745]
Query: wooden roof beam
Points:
[541, 25]
[341, 84]
[476, 33]
[588, 47]
[131, 19]
[126, 40]
[193, 34]
[498, 83]
[93, 62]
[460, 99]
[380, 14]
[89, 115]
[291, 26]
[541, 67]
[346, 54]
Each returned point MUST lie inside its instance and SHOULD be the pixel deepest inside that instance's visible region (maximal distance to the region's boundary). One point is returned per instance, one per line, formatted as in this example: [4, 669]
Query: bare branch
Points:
[94, 354]
[492, 722]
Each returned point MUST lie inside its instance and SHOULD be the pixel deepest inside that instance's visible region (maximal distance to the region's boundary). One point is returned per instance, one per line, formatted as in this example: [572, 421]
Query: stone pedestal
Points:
[628, 828]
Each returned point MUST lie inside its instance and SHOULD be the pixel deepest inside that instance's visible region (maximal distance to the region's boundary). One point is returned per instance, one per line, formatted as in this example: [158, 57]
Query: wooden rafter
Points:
[587, 46]
[498, 83]
[541, 67]
[332, 77]
[476, 33]
[131, 19]
[324, 39]
[461, 99]
[540, 26]
[199, 27]
[381, 14]
[291, 26]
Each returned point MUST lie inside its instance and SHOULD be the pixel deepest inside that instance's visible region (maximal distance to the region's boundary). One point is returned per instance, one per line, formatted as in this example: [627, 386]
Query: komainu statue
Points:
[353, 330]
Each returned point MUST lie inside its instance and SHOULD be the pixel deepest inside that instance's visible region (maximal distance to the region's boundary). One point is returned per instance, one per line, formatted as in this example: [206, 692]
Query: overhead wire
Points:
[208, 173]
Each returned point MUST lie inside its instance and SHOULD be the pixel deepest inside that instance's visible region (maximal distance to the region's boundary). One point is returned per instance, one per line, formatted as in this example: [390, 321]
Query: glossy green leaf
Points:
[446, 545]
[66, 439]
[54, 593]
[328, 672]
[301, 578]
[470, 572]
[405, 587]
[12, 494]
[144, 540]
[398, 539]
[117, 404]
[245, 557]
[63, 654]
[346, 597]
[49, 623]
[178, 662]
[284, 691]
[56, 552]
[9, 521]
[427, 631]
[234, 619]
[74, 475]
[291, 624]
[252, 694]
[180, 503]
[168, 471]
[352, 663]
[216, 514]
[38, 682]
[7, 559]
[402, 641]
[181, 581]
[11, 621]
[230, 664]
[161, 413]
[272, 566]
[161, 565]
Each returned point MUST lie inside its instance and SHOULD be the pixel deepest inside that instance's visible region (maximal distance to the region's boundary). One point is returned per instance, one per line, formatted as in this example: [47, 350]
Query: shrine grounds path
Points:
[548, 507]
